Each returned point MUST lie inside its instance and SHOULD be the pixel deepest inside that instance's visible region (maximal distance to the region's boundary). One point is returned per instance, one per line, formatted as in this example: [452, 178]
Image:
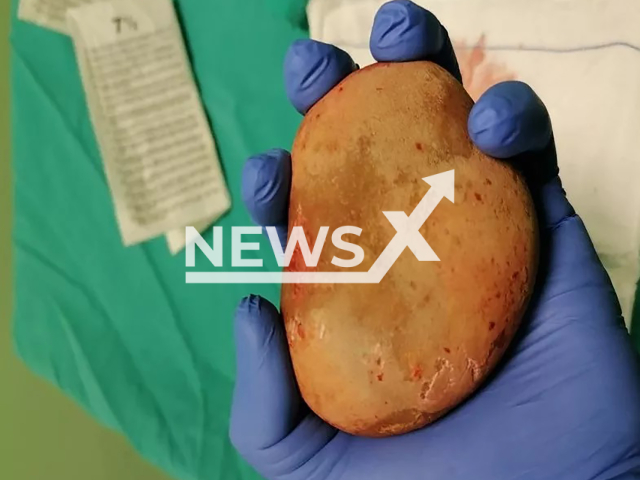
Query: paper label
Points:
[159, 155]
[51, 14]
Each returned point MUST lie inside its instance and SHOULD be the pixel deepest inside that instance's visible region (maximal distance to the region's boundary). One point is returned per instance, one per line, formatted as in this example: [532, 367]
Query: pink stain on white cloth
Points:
[479, 72]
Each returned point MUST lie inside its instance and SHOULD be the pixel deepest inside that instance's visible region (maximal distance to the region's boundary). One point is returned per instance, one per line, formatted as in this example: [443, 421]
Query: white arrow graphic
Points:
[407, 236]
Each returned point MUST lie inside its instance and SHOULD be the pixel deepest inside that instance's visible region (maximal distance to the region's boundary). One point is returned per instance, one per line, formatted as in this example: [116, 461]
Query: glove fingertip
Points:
[266, 400]
[311, 69]
[403, 31]
[248, 306]
[508, 120]
[255, 320]
[266, 181]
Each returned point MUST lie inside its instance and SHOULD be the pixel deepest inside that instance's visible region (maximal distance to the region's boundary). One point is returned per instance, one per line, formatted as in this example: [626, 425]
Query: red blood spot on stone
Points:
[478, 197]
[492, 325]
[419, 146]
[380, 376]
[416, 373]
[448, 350]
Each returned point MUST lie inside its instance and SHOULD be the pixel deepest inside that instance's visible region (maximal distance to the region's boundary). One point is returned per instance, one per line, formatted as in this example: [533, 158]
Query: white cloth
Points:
[583, 58]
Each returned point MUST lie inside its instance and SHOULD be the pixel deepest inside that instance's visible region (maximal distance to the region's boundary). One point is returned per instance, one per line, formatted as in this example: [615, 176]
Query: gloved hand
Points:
[565, 403]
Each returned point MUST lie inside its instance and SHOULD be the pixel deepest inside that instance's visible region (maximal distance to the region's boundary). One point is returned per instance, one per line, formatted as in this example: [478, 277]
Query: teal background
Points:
[117, 329]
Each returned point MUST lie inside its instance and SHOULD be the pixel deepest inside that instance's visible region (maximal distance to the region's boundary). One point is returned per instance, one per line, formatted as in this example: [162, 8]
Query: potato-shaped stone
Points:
[387, 358]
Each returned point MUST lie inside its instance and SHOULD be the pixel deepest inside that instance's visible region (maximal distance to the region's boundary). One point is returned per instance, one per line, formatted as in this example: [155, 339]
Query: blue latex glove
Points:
[565, 403]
